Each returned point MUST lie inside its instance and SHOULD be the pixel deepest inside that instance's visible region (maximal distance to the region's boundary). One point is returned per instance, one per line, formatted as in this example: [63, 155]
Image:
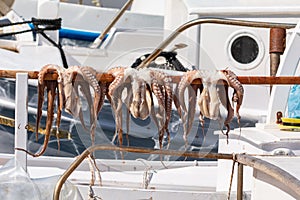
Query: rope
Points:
[147, 176]
[46, 24]
[231, 177]
[61, 51]
[15, 23]
[39, 26]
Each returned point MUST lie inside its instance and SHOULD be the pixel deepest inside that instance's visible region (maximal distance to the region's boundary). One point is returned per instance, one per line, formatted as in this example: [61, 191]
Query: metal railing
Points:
[199, 21]
[273, 171]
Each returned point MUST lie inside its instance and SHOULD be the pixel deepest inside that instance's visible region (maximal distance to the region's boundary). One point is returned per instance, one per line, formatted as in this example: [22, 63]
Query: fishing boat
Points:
[255, 162]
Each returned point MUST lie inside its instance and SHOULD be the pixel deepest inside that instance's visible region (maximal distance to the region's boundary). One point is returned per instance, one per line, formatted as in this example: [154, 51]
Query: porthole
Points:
[245, 50]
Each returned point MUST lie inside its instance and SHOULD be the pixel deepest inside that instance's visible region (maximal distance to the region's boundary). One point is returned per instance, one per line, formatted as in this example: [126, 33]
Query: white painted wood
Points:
[21, 118]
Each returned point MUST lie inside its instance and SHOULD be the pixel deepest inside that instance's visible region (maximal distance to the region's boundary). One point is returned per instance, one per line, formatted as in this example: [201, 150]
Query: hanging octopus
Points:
[134, 88]
[187, 114]
[85, 78]
[54, 87]
[213, 92]
[114, 96]
[162, 89]
[130, 89]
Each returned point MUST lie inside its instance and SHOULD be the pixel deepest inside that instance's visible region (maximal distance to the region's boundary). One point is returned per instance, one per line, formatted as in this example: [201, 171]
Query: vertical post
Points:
[240, 182]
[21, 118]
[277, 46]
[48, 9]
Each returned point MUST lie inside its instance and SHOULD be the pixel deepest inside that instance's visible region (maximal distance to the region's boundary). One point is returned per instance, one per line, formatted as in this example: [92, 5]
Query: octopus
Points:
[134, 88]
[162, 89]
[130, 89]
[213, 92]
[54, 87]
[83, 78]
[238, 93]
[114, 96]
[187, 114]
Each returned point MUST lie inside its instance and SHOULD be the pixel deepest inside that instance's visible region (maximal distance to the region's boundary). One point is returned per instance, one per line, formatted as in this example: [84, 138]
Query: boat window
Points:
[244, 49]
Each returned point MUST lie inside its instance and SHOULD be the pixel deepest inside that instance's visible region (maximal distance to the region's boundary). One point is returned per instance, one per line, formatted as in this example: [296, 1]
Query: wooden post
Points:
[240, 182]
[21, 118]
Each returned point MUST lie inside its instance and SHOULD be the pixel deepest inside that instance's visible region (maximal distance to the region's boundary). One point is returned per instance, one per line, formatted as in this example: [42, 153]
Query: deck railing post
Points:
[21, 118]
[240, 182]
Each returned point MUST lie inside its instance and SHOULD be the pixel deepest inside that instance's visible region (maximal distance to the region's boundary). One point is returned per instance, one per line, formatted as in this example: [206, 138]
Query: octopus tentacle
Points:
[84, 87]
[103, 92]
[41, 91]
[168, 104]
[176, 101]
[60, 102]
[114, 96]
[85, 90]
[162, 88]
[51, 87]
[72, 99]
[127, 100]
[188, 114]
[159, 92]
[238, 90]
[90, 75]
[186, 80]
[224, 98]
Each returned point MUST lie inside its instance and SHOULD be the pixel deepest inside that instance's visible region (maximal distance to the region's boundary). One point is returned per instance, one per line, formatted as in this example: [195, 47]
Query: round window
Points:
[244, 49]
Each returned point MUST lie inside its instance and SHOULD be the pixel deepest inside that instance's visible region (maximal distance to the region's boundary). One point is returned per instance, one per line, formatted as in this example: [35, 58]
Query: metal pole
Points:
[240, 182]
[91, 149]
[99, 39]
[199, 21]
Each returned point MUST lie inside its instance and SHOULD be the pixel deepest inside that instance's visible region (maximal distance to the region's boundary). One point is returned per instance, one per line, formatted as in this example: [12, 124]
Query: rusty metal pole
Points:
[240, 182]
[277, 46]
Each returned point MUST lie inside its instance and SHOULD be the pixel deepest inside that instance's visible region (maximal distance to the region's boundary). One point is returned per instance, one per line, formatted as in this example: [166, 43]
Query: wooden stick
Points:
[103, 77]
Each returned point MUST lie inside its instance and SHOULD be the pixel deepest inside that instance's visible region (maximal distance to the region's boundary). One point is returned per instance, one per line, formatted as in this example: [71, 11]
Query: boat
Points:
[255, 162]
[73, 28]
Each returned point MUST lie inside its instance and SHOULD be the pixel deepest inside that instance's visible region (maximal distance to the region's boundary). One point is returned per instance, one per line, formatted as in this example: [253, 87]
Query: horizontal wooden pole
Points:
[103, 77]
[269, 80]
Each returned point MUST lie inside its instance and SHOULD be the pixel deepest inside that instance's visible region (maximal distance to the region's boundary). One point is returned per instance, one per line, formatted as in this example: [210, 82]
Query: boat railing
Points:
[269, 169]
[200, 21]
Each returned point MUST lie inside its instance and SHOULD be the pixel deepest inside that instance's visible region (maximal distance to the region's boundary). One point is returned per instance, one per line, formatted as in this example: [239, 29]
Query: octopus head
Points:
[72, 102]
[141, 102]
